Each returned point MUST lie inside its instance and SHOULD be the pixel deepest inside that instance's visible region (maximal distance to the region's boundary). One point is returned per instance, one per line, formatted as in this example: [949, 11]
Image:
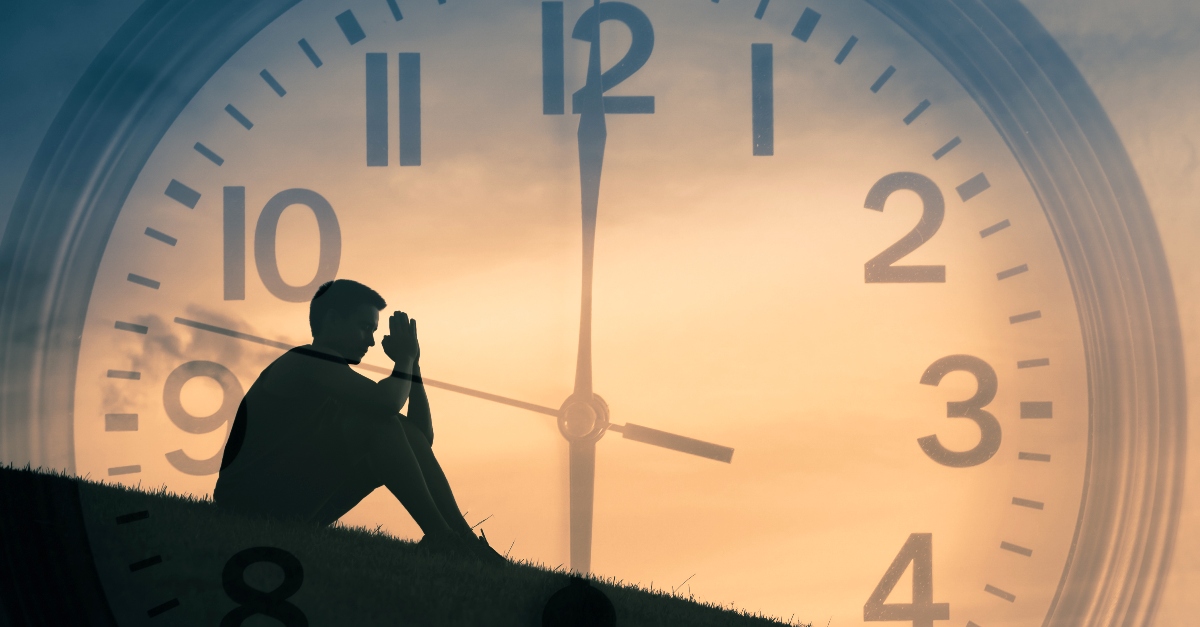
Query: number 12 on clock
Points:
[553, 56]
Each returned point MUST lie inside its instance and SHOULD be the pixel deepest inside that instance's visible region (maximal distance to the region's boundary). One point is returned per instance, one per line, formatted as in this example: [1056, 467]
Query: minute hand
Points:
[592, 137]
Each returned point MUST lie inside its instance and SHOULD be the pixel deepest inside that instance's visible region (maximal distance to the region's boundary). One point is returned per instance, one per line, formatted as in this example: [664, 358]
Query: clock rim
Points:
[1010, 65]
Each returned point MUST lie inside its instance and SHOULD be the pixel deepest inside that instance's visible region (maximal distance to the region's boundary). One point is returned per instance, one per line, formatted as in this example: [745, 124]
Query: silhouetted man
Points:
[313, 437]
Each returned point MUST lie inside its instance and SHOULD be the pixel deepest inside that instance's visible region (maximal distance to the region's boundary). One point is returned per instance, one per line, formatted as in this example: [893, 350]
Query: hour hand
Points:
[680, 443]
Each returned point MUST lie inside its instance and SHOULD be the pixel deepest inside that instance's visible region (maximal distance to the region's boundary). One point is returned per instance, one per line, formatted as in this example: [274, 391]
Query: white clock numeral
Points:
[329, 257]
[922, 611]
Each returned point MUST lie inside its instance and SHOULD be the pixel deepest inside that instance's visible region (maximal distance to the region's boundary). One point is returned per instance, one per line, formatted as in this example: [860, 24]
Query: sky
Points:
[1140, 58]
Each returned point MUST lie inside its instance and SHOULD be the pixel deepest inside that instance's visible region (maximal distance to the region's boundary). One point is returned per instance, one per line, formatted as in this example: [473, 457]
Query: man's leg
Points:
[435, 480]
[385, 446]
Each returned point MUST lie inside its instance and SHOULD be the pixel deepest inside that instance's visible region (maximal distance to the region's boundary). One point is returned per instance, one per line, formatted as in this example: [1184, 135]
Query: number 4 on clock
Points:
[922, 611]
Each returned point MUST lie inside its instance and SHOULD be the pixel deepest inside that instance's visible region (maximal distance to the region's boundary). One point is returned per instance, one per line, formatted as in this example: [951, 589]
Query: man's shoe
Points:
[444, 545]
[486, 552]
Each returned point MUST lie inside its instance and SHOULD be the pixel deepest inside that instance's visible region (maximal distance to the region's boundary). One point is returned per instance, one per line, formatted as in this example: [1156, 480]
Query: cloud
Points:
[168, 345]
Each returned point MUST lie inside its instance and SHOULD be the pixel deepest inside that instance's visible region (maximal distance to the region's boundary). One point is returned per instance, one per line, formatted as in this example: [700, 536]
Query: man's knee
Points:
[415, 434]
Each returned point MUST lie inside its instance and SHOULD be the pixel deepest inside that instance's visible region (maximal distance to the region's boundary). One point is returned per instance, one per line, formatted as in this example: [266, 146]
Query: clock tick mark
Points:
[808, 22]
[237, 115]
[395, 10]
[883, 78]
[141, 280]
[1011, 272]
[274, 84]
[146, 563]
[941, 152]
[133, 517]
[208, 153]
[124, 470]
[1019, 550]
[1031, 504]
[182, 194]
[1037, 410]
[309, 52]
[131, 375]
[972, 188]
[1033, 363]
[1007, 596]
[162, 237]
[762, 9]
[845, 52]
[1033, 457]
[129, 326]
[350, 27]
[1025, 317]
[162, 607]
[995, 228]
[911, 117]
[120, 422]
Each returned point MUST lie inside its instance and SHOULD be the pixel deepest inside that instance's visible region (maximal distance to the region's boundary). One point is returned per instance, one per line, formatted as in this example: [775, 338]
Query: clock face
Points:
[812, 247]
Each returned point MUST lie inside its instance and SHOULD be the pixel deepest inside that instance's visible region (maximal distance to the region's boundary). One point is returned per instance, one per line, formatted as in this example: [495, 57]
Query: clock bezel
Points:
[1007, 62]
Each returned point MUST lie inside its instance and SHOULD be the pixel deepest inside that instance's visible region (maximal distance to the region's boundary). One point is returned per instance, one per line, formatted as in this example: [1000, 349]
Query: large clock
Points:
[875, 323]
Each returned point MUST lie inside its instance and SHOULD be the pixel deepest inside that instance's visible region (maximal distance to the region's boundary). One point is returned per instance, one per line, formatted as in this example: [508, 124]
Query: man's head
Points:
[343, 316]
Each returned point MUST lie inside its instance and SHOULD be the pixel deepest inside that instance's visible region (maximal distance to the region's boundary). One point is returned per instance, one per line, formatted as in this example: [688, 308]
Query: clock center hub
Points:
[583, 419]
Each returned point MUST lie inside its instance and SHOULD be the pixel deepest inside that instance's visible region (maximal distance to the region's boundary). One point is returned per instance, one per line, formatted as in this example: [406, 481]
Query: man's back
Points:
[282, 446]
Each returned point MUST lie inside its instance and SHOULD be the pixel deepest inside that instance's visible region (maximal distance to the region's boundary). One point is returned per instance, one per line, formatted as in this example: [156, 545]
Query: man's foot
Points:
[474, 547]
[445, 544]
[486, 552]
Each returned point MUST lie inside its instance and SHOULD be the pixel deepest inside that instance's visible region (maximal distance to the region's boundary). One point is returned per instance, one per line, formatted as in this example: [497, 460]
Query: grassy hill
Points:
[159, 559]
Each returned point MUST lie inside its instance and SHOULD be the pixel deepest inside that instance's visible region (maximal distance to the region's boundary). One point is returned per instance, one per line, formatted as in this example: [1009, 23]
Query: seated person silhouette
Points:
[312, 437]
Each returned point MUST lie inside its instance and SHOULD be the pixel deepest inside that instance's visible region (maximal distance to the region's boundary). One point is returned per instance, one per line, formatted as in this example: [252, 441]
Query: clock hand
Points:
[495, 398]
[680, 443]
[630, 431]
[592, 137]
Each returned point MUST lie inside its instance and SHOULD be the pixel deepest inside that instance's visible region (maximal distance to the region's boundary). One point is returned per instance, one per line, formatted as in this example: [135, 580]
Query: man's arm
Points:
[402, 347]
[397, 386]
[418, 404]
